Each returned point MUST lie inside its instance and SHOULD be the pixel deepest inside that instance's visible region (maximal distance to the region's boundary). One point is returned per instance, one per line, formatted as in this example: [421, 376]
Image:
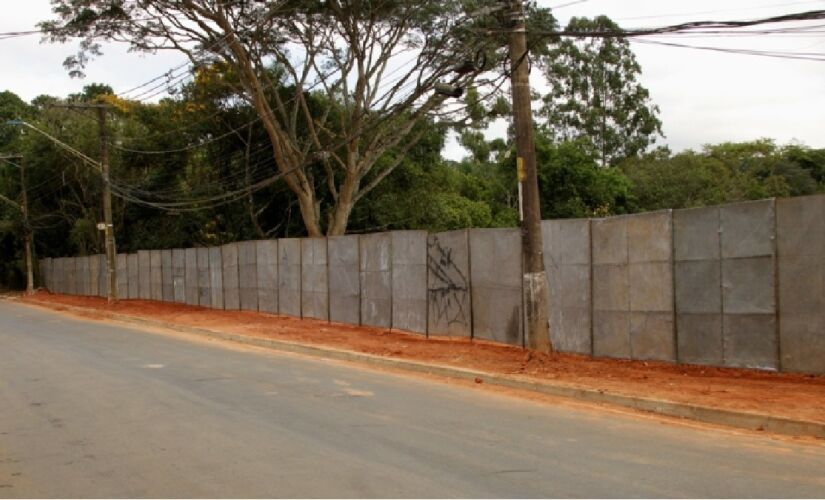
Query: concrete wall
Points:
[179, 274]
[496, 275]
[266, 256]
[167, 277]
[289, 277]
[448, 284]
[133, 274]
[698, 285]
[314, 282]
[103, 276]
[191, 276]
[145, 274]
[204, 278]
[748, 242]
[567, 262]
[216, 278]
[801, 266]
[122, 276]
[409, 280]
[94, 275]
[156, 275]
[231, 279]
[248, 275]
[738, 285]
[376, 279]
[344, 279]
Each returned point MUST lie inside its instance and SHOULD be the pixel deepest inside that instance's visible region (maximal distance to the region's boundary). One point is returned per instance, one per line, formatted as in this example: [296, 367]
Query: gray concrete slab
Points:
[650, 278]
[567, 263]
[204, 278]
[122, 276]
[179, 274]
[94, 275]
[289, 277]
[747, 229]
[409, 280]
[103, 276]
[697, 275]
[748, 242]
[83, 276]
[167, 278]
[216, 278]
[191, 276]
[266, 258]
[156, 275]
[449, 309]
[800, 227]
[231, 278]
[376, 279]
[611, 288]
[144, 275]
[496, 275]
[344, 279]
[133, 272]
[314, 279]
[248, 275]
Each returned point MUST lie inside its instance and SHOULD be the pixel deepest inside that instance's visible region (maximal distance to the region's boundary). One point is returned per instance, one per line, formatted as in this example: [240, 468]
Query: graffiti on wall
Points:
[448, 288]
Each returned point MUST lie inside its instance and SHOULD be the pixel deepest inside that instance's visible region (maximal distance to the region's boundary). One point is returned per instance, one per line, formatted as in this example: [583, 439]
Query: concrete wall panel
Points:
[289, 277]
[103, 276]
[216, 277]
[748, 282]
[156, 275]
[191, 275]
[376, 279]
[231, 277]
[94, 275]
[800, 226]
[496, 275]
[266, 257]
[650, 278]
[344, 279]
[133, 272]
[611, 288]
[448, 284]
[179, 274]
[167, 279]
[122, 276]
[698, 285]
[314, 280]
[204, 278]
[567, 263]
[145, 274]
[248, 275]
[409, 280]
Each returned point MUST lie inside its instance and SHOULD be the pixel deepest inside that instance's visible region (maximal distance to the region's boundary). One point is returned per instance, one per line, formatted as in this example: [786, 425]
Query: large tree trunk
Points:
[343, 206]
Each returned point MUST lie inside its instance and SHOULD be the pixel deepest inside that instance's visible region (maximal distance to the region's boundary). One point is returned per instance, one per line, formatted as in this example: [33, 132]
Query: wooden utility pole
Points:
[28, 236]
[107, 226]
[535, 277]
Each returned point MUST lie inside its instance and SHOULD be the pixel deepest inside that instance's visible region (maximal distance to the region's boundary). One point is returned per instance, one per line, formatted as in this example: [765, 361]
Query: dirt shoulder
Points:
[784, 395]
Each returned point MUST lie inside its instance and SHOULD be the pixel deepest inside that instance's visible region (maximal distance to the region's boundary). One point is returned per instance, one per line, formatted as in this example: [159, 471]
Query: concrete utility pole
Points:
[108, 227]
[535, 277]
[28, 236]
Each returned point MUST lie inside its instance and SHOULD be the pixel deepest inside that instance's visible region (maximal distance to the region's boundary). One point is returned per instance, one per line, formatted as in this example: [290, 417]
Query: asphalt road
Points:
[91, 409]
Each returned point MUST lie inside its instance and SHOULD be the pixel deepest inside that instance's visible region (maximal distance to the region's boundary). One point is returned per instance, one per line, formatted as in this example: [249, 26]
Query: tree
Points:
[595, 93]
[351, 52]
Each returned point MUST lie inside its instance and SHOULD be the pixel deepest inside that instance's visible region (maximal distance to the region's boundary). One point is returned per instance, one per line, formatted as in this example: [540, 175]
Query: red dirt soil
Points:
[787, 395]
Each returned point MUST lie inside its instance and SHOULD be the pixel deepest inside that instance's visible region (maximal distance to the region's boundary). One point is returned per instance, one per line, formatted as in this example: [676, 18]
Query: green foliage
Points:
[595, 94]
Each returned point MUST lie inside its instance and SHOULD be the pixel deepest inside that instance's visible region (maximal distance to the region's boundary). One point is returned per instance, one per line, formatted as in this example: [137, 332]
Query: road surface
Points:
[93, 409]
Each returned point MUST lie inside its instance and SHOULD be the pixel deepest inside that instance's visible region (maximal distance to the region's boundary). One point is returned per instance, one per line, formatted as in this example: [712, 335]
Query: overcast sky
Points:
[704, 96]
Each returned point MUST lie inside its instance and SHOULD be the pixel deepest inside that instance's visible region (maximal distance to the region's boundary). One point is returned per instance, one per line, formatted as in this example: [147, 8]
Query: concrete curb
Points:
[728, 418]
